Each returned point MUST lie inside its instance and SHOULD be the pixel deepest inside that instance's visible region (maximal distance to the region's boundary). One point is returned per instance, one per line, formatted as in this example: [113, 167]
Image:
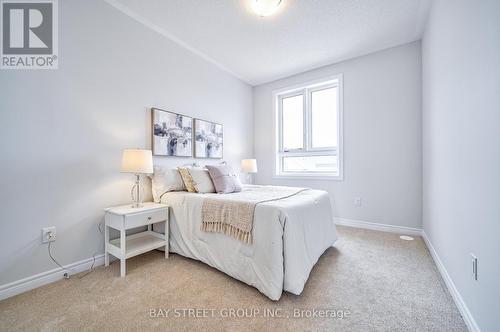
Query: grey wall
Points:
[382, 136]
[63, 131]
[461, 148]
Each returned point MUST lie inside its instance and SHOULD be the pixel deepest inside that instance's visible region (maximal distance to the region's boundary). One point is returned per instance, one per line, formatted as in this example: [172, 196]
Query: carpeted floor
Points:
[375, 280]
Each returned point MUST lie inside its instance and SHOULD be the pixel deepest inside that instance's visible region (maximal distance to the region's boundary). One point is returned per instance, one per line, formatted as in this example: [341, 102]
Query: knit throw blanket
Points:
[232, 214]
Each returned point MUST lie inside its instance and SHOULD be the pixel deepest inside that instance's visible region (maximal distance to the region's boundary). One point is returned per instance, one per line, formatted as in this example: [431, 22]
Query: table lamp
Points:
[249, 166]
[138, 162]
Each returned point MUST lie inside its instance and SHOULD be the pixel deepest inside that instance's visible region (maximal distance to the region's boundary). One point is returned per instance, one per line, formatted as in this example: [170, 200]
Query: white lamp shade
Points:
[249, 165]
[137, 161]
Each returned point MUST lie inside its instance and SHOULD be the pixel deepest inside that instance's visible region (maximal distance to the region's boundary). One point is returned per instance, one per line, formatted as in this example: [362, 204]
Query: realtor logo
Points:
[29, 34]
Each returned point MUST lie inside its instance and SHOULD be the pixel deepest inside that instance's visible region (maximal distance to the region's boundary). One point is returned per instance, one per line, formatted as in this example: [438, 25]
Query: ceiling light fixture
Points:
[265, 7]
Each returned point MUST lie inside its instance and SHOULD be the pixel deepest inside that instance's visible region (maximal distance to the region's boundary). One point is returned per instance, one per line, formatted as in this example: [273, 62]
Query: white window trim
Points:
[295, 90]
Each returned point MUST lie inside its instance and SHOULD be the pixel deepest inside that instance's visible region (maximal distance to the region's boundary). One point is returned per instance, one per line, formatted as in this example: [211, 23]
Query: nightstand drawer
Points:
[145, 218]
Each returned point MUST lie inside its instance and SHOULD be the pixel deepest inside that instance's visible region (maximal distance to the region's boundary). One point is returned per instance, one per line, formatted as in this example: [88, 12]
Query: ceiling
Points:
[302, 35]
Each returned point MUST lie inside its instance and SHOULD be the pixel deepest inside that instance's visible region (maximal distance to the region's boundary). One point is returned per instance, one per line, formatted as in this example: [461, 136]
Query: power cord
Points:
[66, 275]
[93, 257]
[91, 267]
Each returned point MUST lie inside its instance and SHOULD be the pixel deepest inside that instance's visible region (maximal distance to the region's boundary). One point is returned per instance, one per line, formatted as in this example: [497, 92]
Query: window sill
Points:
[309, 177]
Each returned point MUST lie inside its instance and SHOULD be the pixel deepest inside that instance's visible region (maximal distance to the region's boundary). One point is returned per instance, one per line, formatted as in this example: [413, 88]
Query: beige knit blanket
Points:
[232, 214]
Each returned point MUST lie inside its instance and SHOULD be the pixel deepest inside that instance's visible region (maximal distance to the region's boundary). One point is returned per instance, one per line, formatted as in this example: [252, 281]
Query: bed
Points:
[289, 236]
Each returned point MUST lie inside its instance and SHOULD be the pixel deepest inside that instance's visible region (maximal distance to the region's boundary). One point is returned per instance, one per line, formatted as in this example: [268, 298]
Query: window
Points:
[309, 130]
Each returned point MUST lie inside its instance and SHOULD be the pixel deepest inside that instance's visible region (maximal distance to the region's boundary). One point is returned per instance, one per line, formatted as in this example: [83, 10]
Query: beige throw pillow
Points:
[188, 180]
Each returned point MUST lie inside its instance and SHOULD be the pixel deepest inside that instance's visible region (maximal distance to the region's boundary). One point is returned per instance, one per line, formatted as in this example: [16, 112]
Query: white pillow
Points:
[165, 179]
[202, 180]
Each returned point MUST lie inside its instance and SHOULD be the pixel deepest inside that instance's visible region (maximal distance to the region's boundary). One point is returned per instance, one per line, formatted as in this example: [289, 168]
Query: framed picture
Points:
[172, 134]
[209, 139]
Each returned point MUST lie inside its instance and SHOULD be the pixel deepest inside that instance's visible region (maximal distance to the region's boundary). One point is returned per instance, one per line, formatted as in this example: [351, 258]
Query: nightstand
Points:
[126, 217]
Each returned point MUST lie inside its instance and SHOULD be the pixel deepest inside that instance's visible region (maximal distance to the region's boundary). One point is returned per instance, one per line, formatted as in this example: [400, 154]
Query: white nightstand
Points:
[126, 217]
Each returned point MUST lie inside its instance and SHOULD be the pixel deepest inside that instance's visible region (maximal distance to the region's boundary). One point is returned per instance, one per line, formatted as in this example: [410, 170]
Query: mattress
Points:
[289, 236]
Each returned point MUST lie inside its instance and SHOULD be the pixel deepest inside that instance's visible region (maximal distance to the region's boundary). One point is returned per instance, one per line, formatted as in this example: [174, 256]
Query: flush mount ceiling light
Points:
[265, 7]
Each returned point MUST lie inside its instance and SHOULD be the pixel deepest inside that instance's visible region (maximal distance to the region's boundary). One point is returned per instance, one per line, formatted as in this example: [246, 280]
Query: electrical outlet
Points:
[474, 266]
[357, 201]
[49, 234]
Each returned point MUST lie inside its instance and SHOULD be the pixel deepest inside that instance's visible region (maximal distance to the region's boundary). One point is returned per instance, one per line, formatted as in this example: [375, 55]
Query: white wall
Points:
[63, 131]
[461, 148]
[382, 136]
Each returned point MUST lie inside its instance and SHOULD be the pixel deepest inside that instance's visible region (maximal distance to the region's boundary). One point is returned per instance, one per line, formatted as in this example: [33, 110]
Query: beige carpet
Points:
[383, 282]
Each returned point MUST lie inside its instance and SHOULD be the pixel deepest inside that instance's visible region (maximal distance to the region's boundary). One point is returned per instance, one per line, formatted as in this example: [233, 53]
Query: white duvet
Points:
[289, 236]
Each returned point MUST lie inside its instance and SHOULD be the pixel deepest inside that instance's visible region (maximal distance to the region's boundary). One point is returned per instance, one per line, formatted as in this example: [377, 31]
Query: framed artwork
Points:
[172, 134]
[209, 139]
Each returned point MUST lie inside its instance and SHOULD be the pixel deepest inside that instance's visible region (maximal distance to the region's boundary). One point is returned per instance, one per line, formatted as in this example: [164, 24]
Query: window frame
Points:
[306, 90]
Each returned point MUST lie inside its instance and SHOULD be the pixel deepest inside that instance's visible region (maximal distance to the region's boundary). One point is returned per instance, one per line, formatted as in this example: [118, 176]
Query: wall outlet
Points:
[474, 266]
[49, 234]
[357, 201]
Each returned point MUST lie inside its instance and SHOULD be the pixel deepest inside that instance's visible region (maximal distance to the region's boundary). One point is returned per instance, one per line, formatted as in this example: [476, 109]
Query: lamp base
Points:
[137, 205]
[249, 178]
[136, 193]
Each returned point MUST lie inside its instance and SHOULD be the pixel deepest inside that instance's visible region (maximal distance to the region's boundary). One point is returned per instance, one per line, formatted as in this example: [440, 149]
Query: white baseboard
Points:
[462, 307]
[459, 301]
[47, 277]
[378, 227]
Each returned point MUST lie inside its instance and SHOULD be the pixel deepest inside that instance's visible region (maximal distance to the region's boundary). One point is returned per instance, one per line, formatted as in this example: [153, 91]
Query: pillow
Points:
[225, 180]
[165, 179]
[187, 179]
[197, 180]
[201, 179]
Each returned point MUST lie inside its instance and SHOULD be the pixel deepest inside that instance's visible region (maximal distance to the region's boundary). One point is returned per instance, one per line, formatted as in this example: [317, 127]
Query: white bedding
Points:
[289, 236]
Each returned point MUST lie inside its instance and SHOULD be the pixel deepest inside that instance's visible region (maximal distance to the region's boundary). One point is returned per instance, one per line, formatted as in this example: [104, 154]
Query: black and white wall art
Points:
[209, 139]
[172, 134]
